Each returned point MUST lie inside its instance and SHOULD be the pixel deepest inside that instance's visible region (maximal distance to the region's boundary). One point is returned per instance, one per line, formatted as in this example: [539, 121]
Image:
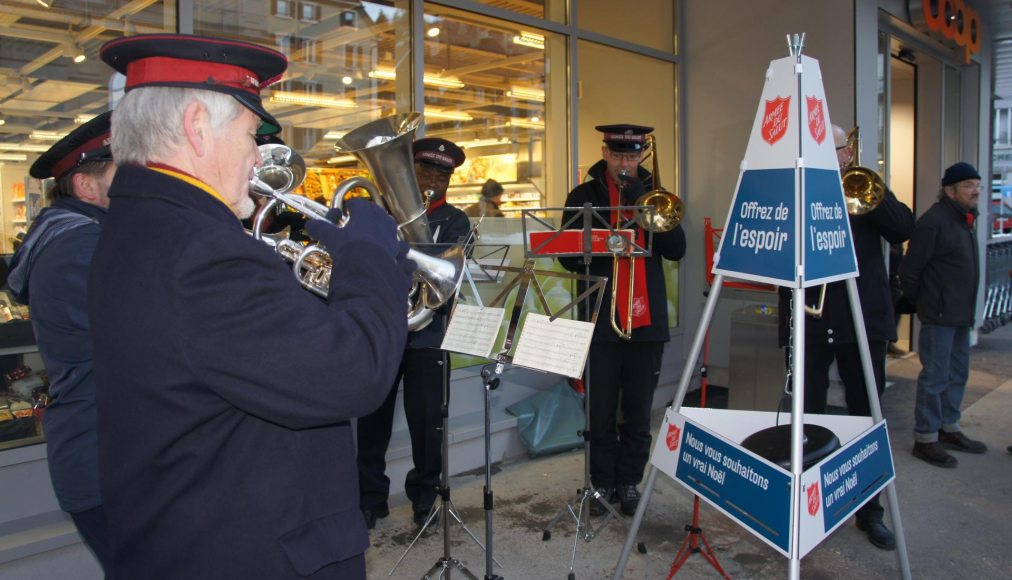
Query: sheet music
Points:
[559, 347]
[473, 330]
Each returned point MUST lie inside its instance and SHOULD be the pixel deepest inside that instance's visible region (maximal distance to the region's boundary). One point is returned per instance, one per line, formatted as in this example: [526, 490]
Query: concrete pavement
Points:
[957, 521]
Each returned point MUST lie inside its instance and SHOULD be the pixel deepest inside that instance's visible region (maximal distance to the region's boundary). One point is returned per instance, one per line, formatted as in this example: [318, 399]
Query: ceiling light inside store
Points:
[3, 120]
[526, 93]
[432, 32]
[74, 52]
[491, 142]
[29, 148]
[334, 135]
[289, 98]
[45, 4]
[431, 80]
[531, 123]
[451, 115]
[341, 159]
[82, 119]
[46, 135]
[347, 80]
[530, 39]
[13, 157]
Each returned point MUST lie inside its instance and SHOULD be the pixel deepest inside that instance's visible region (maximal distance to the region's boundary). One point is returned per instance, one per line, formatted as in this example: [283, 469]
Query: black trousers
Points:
[423, 371]
[94, 528]
[818, 359]
[623, 376]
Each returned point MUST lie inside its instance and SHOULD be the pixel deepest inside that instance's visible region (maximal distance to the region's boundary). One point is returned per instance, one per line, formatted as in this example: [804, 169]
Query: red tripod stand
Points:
[690, 545]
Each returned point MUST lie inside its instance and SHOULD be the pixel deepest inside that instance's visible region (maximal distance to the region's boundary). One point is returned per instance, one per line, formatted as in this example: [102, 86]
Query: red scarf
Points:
[641, 302]
[434, 203]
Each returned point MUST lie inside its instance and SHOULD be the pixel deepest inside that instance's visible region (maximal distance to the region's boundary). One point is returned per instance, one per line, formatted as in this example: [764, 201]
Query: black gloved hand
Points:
[632, 189]
[407, 265]
[367, 221]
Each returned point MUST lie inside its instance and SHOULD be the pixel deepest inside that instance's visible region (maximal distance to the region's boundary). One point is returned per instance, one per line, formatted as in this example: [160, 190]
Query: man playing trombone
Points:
[225, 389]
[830, 334]
[624, 367]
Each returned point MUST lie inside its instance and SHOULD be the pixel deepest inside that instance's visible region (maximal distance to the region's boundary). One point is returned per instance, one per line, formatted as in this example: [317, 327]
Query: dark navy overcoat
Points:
[225, 390]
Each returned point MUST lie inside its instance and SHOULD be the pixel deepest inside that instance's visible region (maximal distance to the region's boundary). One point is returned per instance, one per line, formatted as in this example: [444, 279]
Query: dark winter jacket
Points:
[942, 266]
[49, 272]
[892, 221]
[668, 245]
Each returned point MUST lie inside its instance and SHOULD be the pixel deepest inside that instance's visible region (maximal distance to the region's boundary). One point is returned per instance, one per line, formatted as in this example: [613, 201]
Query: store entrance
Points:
[902, 123]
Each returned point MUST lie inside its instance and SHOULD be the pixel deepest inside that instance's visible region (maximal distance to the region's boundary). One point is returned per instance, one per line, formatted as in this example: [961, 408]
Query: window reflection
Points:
[496, 108]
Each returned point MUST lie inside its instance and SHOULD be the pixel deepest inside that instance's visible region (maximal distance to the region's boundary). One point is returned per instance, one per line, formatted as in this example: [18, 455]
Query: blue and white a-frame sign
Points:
[788, 226]
[788, 207]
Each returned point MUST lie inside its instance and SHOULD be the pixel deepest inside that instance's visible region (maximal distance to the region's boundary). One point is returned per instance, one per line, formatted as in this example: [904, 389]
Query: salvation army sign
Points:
[776, 119]
[816, 119]
[788, 223]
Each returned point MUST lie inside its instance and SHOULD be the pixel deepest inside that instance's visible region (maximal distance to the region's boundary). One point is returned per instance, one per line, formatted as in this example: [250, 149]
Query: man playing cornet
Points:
[225, 389]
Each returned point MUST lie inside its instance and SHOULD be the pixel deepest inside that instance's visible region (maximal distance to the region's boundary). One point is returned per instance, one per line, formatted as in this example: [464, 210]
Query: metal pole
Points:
[676, 404]
[876, 414]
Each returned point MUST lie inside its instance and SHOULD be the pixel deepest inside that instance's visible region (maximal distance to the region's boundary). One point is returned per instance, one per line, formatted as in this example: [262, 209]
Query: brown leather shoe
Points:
[958, 441]
[934, 454]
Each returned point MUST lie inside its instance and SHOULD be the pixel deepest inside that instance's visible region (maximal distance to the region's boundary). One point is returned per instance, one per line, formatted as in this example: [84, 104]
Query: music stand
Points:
[553, 355]
[591, 242]
[443, 506]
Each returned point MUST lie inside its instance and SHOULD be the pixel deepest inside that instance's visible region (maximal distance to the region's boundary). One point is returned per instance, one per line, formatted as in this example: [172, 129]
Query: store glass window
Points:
[1001, 126]
[554, 10]
[652, 23]
[348, 65]
[952, 119]
[647, 96]
[51, 80]
[486, 88]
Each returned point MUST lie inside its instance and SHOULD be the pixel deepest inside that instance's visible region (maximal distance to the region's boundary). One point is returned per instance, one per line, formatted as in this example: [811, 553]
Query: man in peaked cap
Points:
[49, 272]
[227, 389]
[423, 366]
[623, 372]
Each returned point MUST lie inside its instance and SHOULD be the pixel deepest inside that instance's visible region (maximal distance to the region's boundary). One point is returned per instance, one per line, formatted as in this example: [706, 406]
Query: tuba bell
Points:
[436, 278]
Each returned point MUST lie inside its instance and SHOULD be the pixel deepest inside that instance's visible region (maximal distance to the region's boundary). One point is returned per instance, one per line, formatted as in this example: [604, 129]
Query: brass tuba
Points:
[863, 189]
[436, 278]
[667, 213]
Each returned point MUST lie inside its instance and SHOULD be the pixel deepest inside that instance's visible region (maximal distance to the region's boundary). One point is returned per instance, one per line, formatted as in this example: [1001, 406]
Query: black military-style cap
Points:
[625, 138]
[240, 69]
[89, 142]
[438, 153]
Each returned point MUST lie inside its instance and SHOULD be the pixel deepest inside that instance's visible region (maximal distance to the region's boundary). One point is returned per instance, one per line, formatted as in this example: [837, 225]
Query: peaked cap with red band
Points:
[240, 69]
[89, 142]
[438, 153]
[623, 138]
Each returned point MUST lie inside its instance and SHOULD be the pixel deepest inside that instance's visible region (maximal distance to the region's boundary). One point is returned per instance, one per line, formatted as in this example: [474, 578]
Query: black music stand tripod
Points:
[443, 507]
[491, 373]
[578, 509]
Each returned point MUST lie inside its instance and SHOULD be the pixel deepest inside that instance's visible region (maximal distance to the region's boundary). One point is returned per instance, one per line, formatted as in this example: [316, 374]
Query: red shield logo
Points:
[816, 119]
[674, 435]
[775, 119]
[814, 501]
